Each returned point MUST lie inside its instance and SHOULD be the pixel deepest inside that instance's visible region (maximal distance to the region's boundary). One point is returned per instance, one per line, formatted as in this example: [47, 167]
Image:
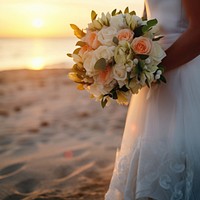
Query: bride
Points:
[159, 156]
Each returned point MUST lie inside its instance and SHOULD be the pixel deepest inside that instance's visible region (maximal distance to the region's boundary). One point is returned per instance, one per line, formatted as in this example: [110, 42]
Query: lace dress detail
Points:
[174, 177]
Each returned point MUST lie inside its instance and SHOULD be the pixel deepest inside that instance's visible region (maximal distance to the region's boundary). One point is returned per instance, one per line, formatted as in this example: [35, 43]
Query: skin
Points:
[187, 46]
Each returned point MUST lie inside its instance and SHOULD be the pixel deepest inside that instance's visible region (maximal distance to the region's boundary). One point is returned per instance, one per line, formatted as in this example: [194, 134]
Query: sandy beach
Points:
[55, 142]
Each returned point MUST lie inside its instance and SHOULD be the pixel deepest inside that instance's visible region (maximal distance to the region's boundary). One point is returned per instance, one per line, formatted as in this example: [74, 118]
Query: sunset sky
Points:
[51, 18]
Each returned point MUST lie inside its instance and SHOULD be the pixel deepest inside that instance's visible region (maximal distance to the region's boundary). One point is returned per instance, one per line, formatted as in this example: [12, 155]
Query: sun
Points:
[37, 63]
[37, 23]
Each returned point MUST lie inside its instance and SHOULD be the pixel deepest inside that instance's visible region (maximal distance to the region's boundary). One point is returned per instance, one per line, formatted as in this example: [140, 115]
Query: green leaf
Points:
[163, 79]
[115, 40]
[147, 83]
[161, 67]
[114, 12]
[100, 64]
[104, 101]
[80, 43]
[140, 65]
[124, 89]
[138, 31]
[126, 10]
[114, 94]
[152, 22]
[93, 15]
[142, 56]
[69, 55]
[129, 77]
[145, 29]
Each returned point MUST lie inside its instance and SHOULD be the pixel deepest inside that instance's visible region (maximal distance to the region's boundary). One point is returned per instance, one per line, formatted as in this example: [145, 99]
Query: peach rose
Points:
[91, 39]
[84, 49]
[141, 45]
[125, 34]
[105, 76]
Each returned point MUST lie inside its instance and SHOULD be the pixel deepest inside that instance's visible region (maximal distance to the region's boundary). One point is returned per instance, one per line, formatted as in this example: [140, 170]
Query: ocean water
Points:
[35, 53]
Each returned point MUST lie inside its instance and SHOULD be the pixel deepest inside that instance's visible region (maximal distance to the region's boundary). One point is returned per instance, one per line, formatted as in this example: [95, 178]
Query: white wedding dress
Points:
[160, 151]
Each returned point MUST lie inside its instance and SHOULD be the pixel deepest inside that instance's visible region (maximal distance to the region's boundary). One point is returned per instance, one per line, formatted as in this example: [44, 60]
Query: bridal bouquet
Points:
[117, 55]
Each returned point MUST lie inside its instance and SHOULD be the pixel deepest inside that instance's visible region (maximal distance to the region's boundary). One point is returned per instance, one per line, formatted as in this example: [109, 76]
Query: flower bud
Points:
[159, 72]
[131, 22]
[148, 61]
[135, 61]
[128, 69]
[145, 67]
[97, 24]
[157, 76]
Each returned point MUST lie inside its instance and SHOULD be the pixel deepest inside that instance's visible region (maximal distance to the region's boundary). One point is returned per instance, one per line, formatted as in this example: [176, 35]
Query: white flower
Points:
[155, 30]
[119, 72]
[138, 20]
[106, 35]
[104, 52]
[157, 53]
[129, 66]
[146, 75]
[118, 22]
[131, 21]
[92, 57]
[89, 63]
[123, 52]
[96, 89]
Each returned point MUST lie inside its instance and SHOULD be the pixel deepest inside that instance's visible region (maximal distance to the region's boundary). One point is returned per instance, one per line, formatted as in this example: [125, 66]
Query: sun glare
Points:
[37, 63]
[37, 23]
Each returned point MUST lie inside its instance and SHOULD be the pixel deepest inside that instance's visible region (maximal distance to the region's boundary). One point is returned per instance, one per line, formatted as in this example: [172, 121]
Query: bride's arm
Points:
[187, 46]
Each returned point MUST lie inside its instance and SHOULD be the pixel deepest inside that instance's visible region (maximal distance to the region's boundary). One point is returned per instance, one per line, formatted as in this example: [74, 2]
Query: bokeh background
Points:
[36, 33]
[55, 142]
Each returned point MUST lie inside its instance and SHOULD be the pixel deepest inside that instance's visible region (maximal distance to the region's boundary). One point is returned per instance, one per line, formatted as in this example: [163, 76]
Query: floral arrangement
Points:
[117, 55]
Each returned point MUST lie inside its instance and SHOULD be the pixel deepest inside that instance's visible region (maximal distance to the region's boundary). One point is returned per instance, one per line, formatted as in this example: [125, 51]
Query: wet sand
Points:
[55, 142]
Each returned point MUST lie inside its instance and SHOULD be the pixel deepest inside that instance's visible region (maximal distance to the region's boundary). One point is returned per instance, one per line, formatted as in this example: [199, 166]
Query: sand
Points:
[55, 142]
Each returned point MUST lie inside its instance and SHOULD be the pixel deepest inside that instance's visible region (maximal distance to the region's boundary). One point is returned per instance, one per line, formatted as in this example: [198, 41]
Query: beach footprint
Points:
[5, 140]
[2, 151]
[11, 170]
[25, 150]
[14, 197]
[63, 171]
[27, 186]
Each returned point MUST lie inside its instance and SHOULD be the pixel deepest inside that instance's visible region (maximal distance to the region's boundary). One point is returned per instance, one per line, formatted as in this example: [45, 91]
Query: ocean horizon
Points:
[35, 53]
